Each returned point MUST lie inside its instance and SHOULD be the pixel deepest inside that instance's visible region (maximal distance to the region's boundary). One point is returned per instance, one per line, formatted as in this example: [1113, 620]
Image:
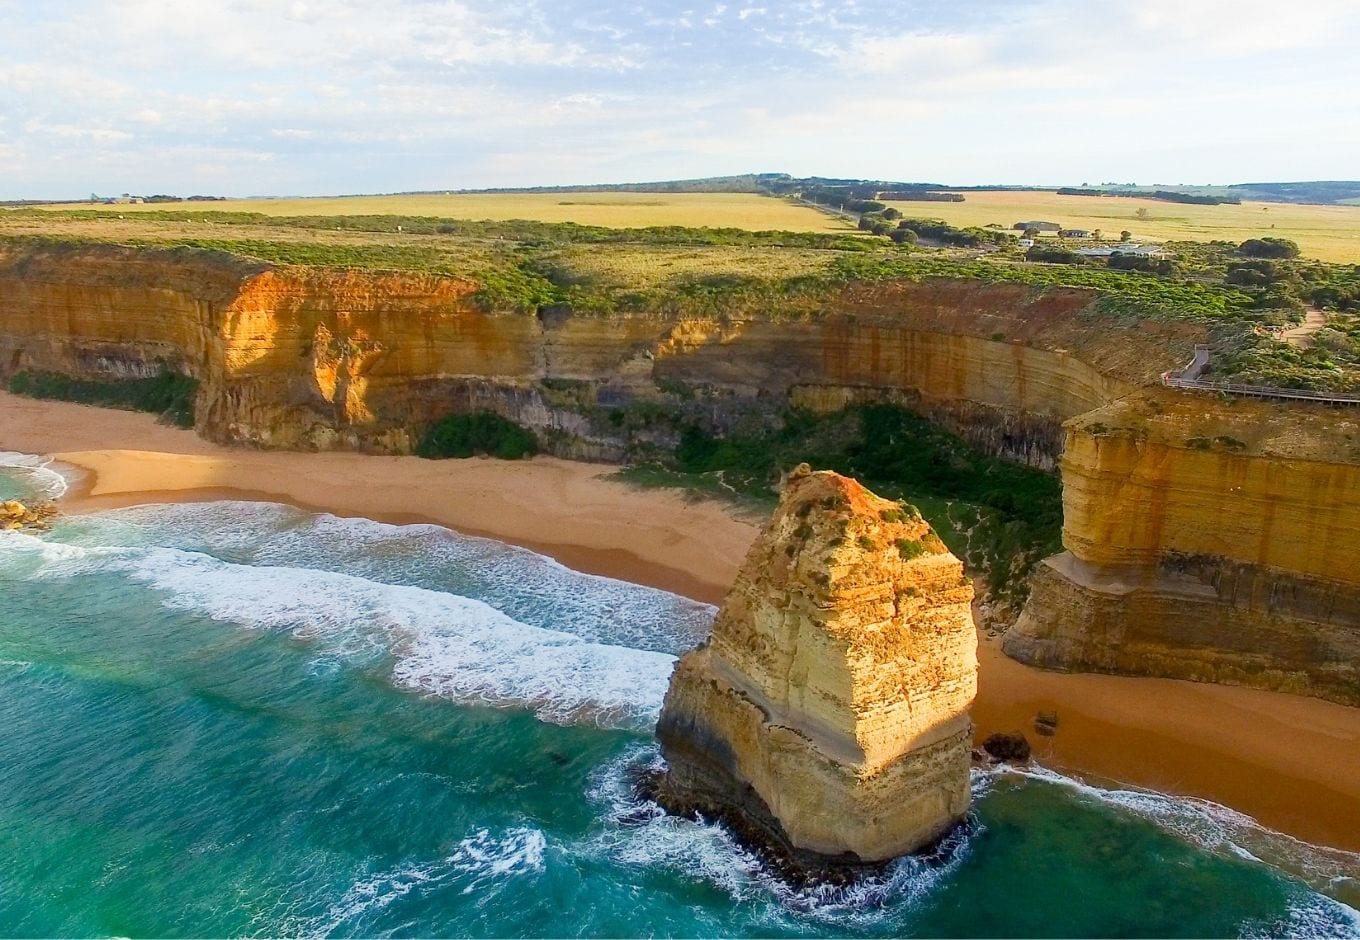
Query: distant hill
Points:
[1325, 192]
[744, 183]
[1317, 191]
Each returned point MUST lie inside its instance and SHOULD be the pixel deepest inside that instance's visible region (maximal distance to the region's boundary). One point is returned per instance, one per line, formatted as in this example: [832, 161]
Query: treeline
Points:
[160, 197]
[848, 198]
[919, 195]
[1165, 195]
[742, 183]
[863, 198]
[909, 231]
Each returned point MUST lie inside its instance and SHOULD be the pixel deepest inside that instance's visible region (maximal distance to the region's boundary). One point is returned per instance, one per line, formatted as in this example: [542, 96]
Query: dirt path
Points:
[1302, 336]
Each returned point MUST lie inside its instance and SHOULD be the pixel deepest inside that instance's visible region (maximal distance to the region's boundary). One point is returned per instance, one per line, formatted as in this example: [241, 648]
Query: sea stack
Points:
[827, 715]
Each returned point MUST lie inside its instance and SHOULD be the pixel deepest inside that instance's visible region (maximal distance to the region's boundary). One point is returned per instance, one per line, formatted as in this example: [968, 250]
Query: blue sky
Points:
[276, 97]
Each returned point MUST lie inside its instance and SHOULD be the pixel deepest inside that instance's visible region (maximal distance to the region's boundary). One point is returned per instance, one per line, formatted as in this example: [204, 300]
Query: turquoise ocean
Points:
[240, 718]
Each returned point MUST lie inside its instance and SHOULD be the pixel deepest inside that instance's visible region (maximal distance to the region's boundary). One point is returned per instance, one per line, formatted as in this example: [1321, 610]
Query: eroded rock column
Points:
[828, 713]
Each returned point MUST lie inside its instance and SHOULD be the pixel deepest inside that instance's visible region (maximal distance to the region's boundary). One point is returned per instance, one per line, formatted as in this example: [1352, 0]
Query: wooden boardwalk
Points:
[1189, 377]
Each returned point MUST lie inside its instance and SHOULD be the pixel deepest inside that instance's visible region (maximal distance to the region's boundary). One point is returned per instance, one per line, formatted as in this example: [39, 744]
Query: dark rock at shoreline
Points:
[1046, 723]
[1009, 747]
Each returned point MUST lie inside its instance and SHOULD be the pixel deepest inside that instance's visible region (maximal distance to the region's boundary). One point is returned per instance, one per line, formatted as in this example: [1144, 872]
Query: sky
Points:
[310, 97]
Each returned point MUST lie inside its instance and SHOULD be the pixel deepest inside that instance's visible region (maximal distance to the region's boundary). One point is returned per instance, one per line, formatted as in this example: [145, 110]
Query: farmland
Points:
[615, 210]
[1327, 233]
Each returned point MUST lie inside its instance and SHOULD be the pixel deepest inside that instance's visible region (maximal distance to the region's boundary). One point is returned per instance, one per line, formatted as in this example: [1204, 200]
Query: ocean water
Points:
[245, 719]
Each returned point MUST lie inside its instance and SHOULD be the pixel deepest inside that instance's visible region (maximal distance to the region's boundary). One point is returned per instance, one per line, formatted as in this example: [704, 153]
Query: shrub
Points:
[481, 433]
[170, 394]
[1269, 248]
[909, 549]
[1054, 255]
[1165, 267]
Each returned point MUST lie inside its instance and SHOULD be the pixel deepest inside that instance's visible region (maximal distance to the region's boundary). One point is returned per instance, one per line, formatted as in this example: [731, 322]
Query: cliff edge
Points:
[827, 715]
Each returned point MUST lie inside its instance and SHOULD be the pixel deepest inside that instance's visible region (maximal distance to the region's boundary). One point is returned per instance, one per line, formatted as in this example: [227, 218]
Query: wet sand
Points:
[1291, 762]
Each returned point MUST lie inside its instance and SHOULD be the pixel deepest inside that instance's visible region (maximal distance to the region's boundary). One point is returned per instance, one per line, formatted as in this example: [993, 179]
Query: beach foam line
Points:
[531, 588]
[1333, 873]
[51, 480]
[452, 646]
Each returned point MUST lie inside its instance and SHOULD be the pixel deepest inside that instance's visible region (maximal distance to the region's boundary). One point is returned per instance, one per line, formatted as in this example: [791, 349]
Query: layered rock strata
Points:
[1206, 539]
[827, 715]
[305, 357]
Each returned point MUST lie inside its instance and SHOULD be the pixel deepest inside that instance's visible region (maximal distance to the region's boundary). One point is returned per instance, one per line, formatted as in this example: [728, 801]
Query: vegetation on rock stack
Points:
[479, 434]
[169, 394]
[1000, 517]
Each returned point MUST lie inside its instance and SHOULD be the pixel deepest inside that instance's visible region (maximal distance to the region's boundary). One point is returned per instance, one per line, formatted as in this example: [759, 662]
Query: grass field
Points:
[1328, 233]
[614, 210]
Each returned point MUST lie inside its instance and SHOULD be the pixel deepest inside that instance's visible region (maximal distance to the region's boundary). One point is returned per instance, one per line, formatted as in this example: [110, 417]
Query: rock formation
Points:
[15, 515]
[1206, 539]
[827, 715]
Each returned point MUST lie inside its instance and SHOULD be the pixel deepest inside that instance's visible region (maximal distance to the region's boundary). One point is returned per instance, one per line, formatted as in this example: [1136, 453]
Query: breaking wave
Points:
[42, 477]
[453, 646]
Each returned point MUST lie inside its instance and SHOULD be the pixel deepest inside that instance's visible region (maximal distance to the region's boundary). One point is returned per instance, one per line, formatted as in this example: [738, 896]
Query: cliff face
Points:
[324, 358]
[828, 713]
[1206, 539]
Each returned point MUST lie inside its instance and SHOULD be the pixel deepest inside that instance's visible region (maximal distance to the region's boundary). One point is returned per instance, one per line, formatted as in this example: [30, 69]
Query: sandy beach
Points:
[1291, 762]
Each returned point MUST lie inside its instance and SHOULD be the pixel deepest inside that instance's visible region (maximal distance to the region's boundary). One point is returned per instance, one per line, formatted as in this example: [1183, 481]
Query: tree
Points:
[1097, 234]
[1125, 235]
[1031, 233]
[1269, 248]
[905, 236]
[1142, 213]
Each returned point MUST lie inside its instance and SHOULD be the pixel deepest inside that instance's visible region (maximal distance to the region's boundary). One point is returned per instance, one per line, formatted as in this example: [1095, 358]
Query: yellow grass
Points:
[1328, 233]
[614, 210]
[641, 266]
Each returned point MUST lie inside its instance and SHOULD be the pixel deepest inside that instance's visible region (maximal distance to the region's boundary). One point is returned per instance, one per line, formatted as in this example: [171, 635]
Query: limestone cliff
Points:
[1206, 539]
[828, 712]
[305, 357]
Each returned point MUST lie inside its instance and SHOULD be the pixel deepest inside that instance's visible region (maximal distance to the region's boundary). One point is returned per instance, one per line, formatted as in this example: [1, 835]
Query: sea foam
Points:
[47, 478]
[448, 645]
[482, 862]
[1334, 873]
[528, 587]
[639, 833]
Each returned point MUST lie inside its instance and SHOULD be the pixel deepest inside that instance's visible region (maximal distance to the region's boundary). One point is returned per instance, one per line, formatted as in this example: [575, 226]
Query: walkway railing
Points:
[1189, 377]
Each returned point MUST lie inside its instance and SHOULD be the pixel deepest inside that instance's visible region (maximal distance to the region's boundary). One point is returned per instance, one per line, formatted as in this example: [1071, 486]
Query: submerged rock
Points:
[827, 716]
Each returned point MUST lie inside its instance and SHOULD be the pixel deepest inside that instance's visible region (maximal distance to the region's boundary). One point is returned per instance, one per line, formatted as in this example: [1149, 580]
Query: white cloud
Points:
[351, 95]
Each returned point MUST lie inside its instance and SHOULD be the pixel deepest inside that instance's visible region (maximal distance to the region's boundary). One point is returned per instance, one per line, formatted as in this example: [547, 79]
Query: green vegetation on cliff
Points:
[169, 394]
[479, 434]
[1000, 516]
